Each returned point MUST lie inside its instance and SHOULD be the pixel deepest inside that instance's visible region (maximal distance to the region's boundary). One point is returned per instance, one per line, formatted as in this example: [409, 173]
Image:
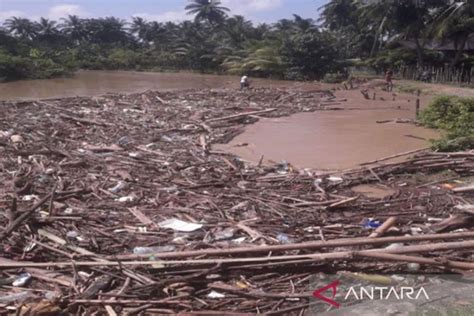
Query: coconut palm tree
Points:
[456, 22]
[207, 10]
[21, 27]
[140, 27]
[46, 27]
[74, 28]
[339, 14]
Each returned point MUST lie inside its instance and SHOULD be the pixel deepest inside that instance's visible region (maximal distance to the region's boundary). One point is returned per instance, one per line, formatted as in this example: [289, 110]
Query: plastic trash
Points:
[283, 168]
[238, 241]
[123, 141]
[166, 139]
[29, 198]
[16, 139]
[227, 233]
[215, 295]
[15, 297]
[413, 267]
[22, 280]
[125, 199]
[135, 155]
[180, 225]
[72, 234]
[284, 239]
[119, 187]
[152, 250]
[370, 223]
[335, 179]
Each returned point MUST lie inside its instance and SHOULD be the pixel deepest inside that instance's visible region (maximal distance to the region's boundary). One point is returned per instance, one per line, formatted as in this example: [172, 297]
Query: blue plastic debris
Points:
[370, 223]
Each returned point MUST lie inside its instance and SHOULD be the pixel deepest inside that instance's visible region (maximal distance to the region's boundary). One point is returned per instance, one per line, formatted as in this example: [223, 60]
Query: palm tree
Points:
[107, 30]
[21, 27]
[339, 14]
[208, 10]
[46, 27]
[141, 28]
[456, 23]
[238, 29]
[259, 58]
[74, 27]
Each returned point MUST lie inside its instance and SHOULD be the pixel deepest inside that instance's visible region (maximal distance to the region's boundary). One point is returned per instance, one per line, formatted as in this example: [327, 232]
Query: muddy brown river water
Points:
[91, 83]
[320, 140]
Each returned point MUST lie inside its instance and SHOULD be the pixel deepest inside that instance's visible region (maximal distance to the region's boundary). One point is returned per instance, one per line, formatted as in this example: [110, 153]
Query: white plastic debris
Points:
[238, 241]
[125, 199]
[152, 250]
[72, 234]
[6, 133]
[22, 280]
[134, 155]
[180, 225]
[16, 139]
[413, 267]
[29, 247]
[215, 295]
[68, 211]
[119, 187]
[335, 179]
[29, 198]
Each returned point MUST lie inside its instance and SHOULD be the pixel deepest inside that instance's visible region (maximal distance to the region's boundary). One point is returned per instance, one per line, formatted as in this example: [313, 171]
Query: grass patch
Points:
[455, 116]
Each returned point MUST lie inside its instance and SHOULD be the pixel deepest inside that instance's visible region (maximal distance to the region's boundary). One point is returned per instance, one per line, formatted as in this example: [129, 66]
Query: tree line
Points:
[347, 32]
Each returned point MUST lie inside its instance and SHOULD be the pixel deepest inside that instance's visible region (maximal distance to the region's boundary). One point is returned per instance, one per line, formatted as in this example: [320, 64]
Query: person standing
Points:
[244, 82]
[388, 80]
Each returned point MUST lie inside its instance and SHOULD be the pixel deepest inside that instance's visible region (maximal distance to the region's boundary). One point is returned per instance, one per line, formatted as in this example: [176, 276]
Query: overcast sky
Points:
[160, 10]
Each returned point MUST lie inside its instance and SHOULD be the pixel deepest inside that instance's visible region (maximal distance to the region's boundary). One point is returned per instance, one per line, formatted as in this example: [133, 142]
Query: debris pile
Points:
[119, 205]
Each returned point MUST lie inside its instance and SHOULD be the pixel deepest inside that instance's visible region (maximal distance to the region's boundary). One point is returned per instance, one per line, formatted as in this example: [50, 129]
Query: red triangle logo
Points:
[333, 286]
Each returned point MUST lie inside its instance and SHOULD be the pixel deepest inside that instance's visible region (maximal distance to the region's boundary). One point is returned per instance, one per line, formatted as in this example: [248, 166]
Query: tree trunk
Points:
[459, 50]
[419, 52]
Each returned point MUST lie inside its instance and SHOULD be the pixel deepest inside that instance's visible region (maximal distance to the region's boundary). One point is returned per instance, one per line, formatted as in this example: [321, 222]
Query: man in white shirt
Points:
[244, 82]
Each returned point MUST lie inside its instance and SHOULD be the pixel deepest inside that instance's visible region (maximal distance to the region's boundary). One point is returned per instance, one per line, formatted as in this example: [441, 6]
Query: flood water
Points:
[320, 140]
[91, 83]
[334, 140]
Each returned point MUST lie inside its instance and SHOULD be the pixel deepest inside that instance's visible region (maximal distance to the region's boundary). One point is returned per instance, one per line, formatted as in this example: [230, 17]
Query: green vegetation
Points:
[368, 32]
[455, 116]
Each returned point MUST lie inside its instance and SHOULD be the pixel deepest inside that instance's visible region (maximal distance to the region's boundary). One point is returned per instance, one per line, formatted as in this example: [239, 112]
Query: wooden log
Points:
[396, 156]
[384, 227]
[464, 189]
[320, 257]
[238, 115]
[346, 242]
[416, 259]
[23, 217]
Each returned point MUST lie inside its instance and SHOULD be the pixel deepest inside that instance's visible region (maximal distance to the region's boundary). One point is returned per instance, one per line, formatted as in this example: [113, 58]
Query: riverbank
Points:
[90, 184]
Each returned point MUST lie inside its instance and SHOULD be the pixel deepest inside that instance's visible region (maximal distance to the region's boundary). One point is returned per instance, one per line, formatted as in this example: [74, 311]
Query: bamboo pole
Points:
[345, 242]
[320, 257]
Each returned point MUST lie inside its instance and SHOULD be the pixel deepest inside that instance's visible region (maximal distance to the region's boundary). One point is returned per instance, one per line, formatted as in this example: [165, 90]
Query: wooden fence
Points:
[446, 74]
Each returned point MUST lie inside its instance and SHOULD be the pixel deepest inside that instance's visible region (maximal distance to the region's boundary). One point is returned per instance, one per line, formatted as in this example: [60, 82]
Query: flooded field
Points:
[335, 139]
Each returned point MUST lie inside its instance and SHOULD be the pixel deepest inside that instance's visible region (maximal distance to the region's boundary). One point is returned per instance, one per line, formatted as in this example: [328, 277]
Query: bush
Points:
[13, 67]
[455, 116]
